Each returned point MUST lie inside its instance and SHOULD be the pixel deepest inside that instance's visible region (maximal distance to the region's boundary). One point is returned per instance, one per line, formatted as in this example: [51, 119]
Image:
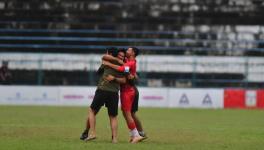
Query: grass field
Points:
[48, 128]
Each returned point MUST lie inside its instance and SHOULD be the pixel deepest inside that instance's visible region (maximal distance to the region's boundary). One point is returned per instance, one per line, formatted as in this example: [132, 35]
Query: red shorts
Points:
[127, 97]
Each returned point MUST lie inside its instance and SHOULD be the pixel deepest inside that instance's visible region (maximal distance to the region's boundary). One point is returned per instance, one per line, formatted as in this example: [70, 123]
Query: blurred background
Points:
[183, 43]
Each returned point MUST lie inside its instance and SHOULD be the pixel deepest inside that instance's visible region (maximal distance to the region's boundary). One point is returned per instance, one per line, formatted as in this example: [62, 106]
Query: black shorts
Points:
[135, 102]
[107, 98]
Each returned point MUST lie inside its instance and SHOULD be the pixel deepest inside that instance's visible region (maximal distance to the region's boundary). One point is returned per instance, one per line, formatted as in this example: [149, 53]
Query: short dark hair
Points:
[136, 50]
[112, 51]
[121, 50]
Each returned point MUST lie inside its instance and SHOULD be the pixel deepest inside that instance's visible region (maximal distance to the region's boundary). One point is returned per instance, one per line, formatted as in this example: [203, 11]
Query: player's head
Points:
[132, 51]
[112, 51]
[121, 53]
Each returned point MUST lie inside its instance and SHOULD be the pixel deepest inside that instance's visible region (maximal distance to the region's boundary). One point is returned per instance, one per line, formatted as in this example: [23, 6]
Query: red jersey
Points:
[129, 67]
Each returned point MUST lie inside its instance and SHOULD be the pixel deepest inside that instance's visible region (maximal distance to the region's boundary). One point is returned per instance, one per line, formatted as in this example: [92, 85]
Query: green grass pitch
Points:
[59, 128]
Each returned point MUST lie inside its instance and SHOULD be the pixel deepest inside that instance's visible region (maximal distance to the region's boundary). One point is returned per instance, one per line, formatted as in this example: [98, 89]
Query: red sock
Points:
[131, 125]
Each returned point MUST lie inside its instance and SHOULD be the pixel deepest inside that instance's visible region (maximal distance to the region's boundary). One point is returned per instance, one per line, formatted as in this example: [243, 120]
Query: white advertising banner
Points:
[29, 95]
[153, 97]
[81, 96]
[196, 98]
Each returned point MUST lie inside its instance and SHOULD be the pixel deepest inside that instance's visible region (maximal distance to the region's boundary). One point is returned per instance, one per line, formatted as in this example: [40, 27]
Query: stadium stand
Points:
[161, 28]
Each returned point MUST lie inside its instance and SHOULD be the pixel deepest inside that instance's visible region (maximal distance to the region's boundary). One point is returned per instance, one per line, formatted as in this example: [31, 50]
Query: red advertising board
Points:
[241, 98]
[260, 98]
[234, 98]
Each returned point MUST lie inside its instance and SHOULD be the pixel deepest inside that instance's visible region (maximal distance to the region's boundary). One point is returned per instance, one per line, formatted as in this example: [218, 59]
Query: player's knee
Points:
[111, 115]
[134, 114]
[93, 111]
[127, 114]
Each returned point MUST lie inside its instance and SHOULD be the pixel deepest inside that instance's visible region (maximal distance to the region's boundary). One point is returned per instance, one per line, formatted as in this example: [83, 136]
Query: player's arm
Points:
[107, 63]
[120, 80]
[124, 68]
[112, 58]
[132, 79]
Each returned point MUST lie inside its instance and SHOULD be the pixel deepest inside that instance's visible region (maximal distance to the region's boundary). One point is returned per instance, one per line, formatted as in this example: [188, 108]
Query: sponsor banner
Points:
[196, 98]
[153, 97]
[81, 96]
[260, 98]
[149, 97]
[235, 98]
[29, 95]
[240, 98]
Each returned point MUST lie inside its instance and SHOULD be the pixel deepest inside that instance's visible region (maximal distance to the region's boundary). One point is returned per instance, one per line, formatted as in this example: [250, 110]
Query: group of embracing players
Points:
[116, 73]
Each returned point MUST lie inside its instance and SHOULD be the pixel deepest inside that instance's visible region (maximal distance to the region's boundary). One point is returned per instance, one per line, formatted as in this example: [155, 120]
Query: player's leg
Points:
[135, 117]
[97, 103]
[92, 122]
[134, 135]
[85, 133]
[112, 107]
[127, 98]
[87, 124]
[138, 124]
[114, 127]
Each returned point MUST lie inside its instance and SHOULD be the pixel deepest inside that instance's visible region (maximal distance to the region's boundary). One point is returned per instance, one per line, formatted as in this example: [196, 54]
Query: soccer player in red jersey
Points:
[127, 91]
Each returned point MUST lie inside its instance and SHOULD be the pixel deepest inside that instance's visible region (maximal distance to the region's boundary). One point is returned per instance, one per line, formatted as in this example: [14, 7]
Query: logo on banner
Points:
[251, 99]
[73, 97]
[207, 100]
[18, 97]
[153, 98]
[184, 100]
[44, 97]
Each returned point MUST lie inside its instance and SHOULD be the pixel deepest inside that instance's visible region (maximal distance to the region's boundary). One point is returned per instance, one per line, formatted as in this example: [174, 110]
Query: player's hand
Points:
[120, 61]
[106, 63]
[109, 78]
[130, 76]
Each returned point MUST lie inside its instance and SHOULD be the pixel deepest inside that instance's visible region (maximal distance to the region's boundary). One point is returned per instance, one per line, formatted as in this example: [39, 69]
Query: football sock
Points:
[131, 125]
[134, 132]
